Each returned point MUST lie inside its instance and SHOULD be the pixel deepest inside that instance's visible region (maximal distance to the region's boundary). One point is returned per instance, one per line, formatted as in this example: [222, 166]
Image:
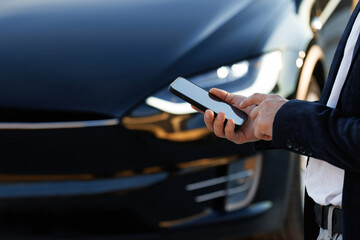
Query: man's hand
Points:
[261, 109]
[242, 135]
[264, 113]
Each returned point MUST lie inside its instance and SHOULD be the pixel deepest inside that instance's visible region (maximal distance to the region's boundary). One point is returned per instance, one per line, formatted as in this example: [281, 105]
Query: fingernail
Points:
[220, 116]
[207, 114]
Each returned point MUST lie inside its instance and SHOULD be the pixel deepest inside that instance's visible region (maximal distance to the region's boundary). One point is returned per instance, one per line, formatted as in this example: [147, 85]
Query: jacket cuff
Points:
[287, 122]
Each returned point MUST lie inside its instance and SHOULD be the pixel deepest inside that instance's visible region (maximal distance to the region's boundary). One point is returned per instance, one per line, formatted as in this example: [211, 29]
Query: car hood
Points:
[106, 56]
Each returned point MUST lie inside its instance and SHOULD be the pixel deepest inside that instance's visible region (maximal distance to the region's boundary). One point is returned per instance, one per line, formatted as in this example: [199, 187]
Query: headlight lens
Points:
[245, 78]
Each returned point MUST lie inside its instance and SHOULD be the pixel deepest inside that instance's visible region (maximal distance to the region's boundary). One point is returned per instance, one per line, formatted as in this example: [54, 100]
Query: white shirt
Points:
[323, 181]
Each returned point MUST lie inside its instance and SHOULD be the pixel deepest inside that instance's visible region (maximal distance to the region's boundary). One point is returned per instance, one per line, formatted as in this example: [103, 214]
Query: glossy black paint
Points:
[105, 56]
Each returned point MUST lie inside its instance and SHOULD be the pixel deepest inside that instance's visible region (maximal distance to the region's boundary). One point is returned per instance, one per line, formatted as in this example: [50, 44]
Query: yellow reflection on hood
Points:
[165, 126]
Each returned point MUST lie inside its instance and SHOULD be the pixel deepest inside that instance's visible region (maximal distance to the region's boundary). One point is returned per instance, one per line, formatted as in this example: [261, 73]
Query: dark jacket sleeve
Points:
[263, 145]
[313, 129]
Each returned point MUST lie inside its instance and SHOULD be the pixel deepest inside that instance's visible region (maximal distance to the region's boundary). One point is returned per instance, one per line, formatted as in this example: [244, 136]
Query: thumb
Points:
[223, 95]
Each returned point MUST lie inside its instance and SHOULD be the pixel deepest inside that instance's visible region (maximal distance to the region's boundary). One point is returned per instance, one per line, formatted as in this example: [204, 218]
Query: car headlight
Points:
[169, 117]
[244, 78]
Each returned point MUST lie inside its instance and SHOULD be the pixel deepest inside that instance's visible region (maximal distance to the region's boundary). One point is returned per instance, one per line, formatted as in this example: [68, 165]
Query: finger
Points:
[254, 112]
[256, 98]
[219, 125]
[230, 131]
[222, 94]
[209, 119]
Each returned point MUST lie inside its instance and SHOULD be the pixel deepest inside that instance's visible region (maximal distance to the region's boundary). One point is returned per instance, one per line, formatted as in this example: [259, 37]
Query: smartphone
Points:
[204, 100]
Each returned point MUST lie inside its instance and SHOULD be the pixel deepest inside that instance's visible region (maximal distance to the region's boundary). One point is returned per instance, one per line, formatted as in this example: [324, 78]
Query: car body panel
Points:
[104, 57]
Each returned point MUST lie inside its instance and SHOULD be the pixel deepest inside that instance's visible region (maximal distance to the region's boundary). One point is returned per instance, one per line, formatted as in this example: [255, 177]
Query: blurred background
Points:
[93, 146]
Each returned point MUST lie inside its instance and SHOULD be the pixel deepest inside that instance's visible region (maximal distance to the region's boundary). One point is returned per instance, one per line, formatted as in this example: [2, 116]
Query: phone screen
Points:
[204, 100]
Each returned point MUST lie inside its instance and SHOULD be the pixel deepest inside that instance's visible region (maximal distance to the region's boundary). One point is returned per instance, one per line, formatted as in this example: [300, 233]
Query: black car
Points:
[95, 147]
